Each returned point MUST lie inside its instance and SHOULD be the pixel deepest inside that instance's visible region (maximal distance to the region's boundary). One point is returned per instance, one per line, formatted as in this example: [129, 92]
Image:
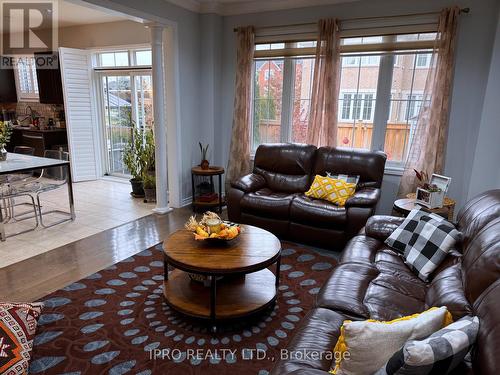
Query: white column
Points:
[159, 121]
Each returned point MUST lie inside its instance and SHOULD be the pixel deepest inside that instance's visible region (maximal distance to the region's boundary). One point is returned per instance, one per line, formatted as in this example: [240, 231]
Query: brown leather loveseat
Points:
[272, 197]
[371, 281]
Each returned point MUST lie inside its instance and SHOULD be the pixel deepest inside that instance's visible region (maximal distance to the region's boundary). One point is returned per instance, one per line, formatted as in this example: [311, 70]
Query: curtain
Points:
[428, 145]
[322, 127]
[239, 152]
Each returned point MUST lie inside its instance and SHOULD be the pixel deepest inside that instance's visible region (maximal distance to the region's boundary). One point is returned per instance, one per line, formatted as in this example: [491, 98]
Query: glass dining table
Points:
[17, 163]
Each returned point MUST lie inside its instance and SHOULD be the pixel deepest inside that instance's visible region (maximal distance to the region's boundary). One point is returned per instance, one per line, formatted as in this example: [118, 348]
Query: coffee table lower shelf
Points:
[235, 297]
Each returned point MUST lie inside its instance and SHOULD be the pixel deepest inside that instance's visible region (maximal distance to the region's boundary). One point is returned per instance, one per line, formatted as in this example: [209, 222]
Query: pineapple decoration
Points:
[212, 227]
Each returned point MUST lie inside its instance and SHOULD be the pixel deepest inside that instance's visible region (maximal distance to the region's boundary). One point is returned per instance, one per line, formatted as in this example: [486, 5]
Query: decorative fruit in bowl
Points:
[211, 227]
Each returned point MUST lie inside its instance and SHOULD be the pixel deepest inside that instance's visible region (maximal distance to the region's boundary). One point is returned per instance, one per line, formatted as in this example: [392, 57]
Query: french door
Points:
[126, 102]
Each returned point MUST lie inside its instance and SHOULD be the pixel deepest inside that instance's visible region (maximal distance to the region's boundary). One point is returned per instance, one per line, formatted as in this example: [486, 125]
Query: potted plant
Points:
[148, 162]
[149, 181]
[5, 133]
[204, 162]
[133, 159]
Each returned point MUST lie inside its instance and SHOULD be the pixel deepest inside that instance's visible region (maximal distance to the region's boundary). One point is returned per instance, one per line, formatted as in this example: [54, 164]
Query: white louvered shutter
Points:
[79, 109]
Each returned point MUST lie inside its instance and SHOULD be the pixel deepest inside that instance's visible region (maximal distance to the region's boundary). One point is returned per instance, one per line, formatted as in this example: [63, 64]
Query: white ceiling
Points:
[233, 7]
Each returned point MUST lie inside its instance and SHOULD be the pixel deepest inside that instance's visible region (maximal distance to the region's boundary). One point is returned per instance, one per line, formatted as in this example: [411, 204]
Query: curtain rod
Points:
[463, 10]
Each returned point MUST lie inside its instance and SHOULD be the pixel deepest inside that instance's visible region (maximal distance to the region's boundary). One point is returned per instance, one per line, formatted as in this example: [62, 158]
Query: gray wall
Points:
[486, 164]
[189, 31]
[475, 39]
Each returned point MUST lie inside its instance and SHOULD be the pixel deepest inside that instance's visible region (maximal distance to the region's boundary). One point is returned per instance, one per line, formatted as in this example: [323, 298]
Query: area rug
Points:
[116, 322]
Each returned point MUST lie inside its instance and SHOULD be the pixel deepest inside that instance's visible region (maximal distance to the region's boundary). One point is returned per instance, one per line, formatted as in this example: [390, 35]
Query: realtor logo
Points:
[28, 26]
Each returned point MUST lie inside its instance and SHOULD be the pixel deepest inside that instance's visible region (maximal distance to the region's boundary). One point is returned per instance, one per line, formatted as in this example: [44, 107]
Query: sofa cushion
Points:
[372, 281]
[18, 322]
[366, 164]
[431, 242]
[439, 353]
[485, 357]
[336, 191]
[370, 343]
[446, 288]
[317, 212]
[317, 335]
[268, 203]
[285, 167]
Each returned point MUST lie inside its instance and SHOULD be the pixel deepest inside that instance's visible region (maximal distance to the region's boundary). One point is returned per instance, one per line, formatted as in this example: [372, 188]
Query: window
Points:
[123, 58]
[283, 85]
[423, 60]
[113, 59]
[25, 77]
[126, 100]
[357, 106]
[355, 61]
[143, 58]
[281, 94]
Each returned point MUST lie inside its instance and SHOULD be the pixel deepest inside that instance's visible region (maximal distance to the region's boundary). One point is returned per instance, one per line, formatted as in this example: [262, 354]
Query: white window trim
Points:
[23, 96]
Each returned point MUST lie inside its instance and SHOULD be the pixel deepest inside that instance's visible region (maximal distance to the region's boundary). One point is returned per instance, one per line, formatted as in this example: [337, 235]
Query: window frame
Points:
[389, 59]
[288, 89]
[130, 50]
[33, 95]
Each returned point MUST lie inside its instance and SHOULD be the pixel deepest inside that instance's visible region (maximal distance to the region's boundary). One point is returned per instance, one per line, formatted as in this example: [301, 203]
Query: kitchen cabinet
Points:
[50, 89]
[40, 140]
[8, 92]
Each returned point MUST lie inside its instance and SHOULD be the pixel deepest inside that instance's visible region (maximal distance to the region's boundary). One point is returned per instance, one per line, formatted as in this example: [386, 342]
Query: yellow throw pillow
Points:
[365, 346]
[334, 190]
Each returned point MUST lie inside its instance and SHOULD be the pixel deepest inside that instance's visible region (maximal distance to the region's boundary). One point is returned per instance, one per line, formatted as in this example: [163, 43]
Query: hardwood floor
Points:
[40, 275]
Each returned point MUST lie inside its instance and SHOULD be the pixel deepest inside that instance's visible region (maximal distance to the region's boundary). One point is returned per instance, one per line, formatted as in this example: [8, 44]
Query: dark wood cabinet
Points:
[49, 80]
[40, 140]
[8, 93]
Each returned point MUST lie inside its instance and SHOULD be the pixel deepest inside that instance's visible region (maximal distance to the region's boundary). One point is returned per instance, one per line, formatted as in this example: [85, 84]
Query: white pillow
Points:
[371, 343]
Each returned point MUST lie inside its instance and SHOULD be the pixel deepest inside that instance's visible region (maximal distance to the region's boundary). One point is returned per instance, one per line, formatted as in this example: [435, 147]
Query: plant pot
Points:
[204, 164]
[3, 154]
[150, 195]
[137, 188]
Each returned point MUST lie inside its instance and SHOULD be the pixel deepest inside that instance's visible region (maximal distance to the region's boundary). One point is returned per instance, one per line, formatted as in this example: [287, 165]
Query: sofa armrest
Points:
[249, 183]
[365, 197]
[382, 226]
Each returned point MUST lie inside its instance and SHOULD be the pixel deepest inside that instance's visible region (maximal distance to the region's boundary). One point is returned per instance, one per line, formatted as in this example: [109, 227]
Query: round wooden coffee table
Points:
[248, 285]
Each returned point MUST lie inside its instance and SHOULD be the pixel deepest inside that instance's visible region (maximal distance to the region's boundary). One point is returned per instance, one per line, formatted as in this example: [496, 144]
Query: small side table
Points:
[405, 205]
[210, 172]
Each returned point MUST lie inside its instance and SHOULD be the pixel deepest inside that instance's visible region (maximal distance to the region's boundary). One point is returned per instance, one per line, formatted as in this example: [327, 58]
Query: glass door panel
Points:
[144, 101]
[117, 101]
[127, 101]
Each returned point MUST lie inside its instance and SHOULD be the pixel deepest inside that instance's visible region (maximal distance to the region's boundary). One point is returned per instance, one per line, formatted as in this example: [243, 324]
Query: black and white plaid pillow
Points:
[347, 178]
[438, 354]
[400, 238]
[429, 244]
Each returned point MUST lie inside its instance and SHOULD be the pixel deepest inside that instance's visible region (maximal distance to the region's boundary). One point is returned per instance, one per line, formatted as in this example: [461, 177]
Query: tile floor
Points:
[99, 205]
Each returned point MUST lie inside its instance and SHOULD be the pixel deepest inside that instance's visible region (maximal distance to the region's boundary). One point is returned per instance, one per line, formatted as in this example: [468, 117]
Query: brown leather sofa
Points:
[371, 281]
[272, 197]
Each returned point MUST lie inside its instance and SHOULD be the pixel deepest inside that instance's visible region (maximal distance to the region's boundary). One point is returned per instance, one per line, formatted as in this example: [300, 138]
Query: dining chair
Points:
[18, 178]
[25, 150]
[51, 178]
[7, 195]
